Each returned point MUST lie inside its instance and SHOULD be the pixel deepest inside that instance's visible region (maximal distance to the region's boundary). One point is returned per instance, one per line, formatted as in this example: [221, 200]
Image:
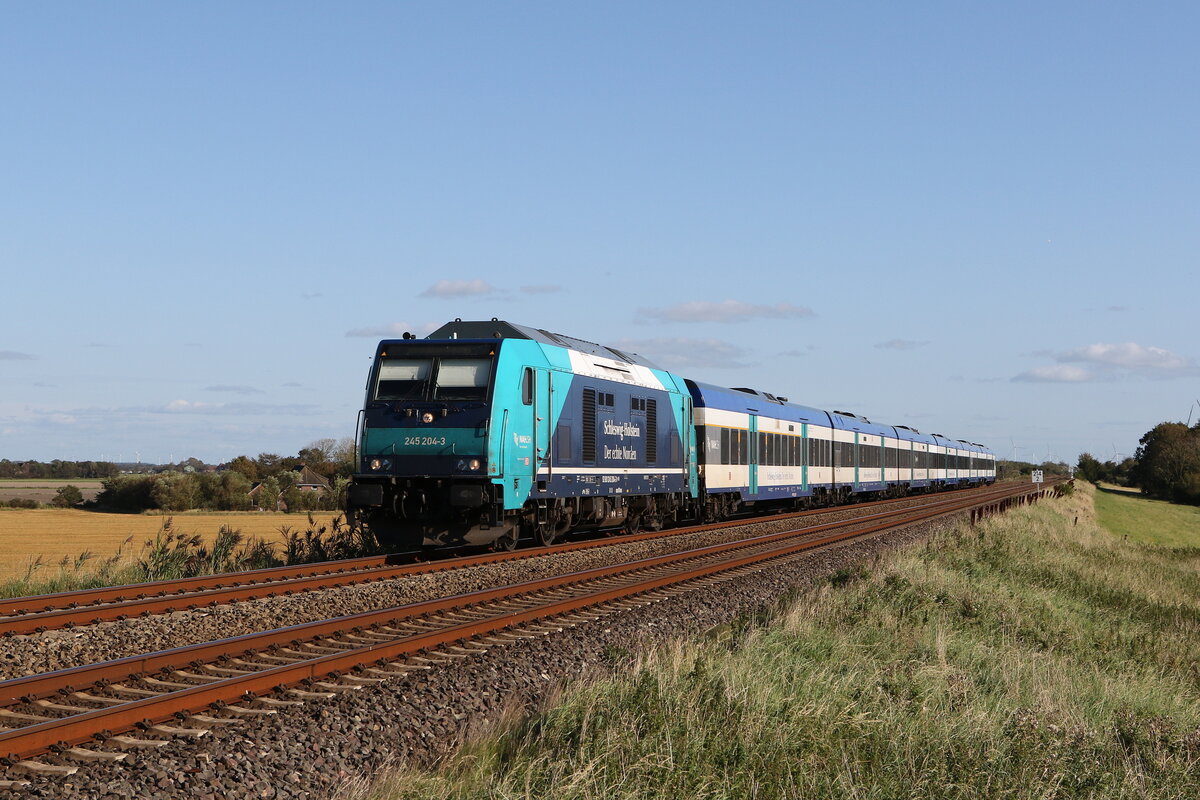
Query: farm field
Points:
[52, 534]
[1032, 656]
[1129, 515]
[44, 489]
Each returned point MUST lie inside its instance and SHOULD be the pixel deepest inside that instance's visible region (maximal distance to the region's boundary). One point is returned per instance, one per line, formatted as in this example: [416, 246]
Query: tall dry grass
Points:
[173, 553]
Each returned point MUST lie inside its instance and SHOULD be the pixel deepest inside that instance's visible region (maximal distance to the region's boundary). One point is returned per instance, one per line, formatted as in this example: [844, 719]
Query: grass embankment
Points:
[1131, 515]
[1027, 658]
[54, 550]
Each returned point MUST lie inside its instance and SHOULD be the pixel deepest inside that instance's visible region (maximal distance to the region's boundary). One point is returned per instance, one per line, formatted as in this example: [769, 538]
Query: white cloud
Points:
[724, 311]
[1059, 373]
[459, 289]
[1131, 356]
[10, 355]
[1106, 362]
[187, 406]
[544, 289]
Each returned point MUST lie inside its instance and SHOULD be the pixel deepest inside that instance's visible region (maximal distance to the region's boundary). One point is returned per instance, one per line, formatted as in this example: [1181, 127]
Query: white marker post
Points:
[1037, 476]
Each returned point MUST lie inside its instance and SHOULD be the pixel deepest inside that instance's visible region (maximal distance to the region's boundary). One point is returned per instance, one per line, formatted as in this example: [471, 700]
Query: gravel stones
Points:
[106, 641]
[309, 751]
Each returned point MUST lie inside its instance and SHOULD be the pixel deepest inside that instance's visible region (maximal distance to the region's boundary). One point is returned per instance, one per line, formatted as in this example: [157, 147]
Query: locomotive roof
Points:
[499, 329]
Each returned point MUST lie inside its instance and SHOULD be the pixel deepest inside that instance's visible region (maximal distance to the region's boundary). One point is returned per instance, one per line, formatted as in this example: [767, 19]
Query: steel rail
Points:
[37, 613]
[79, 728]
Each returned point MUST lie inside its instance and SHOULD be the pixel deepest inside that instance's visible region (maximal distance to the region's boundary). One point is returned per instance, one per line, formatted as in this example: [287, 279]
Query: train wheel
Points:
[509, 540]
[545, 534]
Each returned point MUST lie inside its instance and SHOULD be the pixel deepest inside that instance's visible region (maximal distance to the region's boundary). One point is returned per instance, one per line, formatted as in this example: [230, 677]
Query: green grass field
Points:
[1131, 516]
[1033, 657]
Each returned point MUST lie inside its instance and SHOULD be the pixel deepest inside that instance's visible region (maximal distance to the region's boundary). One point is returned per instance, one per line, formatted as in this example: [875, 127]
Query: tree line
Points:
[226, 490]
[1166, 464]
[269, 481]
[274, 479]
[58, 470]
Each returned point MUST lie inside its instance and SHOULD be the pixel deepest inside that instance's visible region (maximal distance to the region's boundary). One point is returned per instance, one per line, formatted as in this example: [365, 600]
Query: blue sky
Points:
[978, 220]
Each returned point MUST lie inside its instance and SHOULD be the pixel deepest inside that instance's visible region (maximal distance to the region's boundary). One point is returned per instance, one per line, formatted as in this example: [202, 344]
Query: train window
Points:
[402, 378]
[869, 455]
[527, 386]
[743, 447]
[462, 378]
[606, 399]
[726, 446]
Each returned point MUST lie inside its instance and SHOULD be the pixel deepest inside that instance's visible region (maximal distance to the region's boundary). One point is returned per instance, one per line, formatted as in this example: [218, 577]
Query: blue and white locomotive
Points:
[489, 432]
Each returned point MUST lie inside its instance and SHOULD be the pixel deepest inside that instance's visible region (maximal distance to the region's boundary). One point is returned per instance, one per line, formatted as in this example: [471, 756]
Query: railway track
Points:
[35, 614]
[256, 673]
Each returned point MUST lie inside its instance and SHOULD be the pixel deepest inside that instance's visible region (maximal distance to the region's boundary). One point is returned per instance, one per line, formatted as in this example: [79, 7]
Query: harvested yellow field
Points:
[52, 533]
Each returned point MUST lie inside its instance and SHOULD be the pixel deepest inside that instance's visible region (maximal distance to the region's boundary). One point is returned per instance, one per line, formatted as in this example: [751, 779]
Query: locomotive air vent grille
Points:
[651, 431]
[589, 426]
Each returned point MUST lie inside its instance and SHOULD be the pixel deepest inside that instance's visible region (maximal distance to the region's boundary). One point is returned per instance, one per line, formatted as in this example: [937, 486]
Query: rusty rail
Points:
[33, 614]
[558, 595]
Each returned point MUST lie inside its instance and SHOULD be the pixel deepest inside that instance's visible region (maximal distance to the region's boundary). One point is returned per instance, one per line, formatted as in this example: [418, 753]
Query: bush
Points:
[20, 502]
[67, 497]
[128, 493]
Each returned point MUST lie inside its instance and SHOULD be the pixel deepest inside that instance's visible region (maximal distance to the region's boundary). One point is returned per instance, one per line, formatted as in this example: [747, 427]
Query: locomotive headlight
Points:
[474, 464]
[427, 417]
[376, 463]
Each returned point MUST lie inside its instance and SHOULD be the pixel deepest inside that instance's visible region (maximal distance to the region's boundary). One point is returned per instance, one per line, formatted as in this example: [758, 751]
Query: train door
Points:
[804, 456]
[541, 427]
[753, 453]
[687, 436]
[857, 460]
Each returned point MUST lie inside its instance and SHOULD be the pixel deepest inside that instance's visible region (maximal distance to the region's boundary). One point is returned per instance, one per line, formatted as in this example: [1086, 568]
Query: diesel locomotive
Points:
[489, 432]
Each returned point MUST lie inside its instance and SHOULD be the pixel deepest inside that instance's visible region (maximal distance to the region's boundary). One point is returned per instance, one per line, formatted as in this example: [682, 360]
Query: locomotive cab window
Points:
[402, 378]
[462, 378]
[437, 372]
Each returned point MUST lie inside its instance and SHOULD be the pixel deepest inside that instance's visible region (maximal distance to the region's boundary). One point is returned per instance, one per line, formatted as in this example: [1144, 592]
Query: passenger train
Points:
[488, 432]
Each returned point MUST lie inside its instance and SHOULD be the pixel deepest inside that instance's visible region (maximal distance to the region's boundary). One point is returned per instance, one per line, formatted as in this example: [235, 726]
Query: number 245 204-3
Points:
[424, 440]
